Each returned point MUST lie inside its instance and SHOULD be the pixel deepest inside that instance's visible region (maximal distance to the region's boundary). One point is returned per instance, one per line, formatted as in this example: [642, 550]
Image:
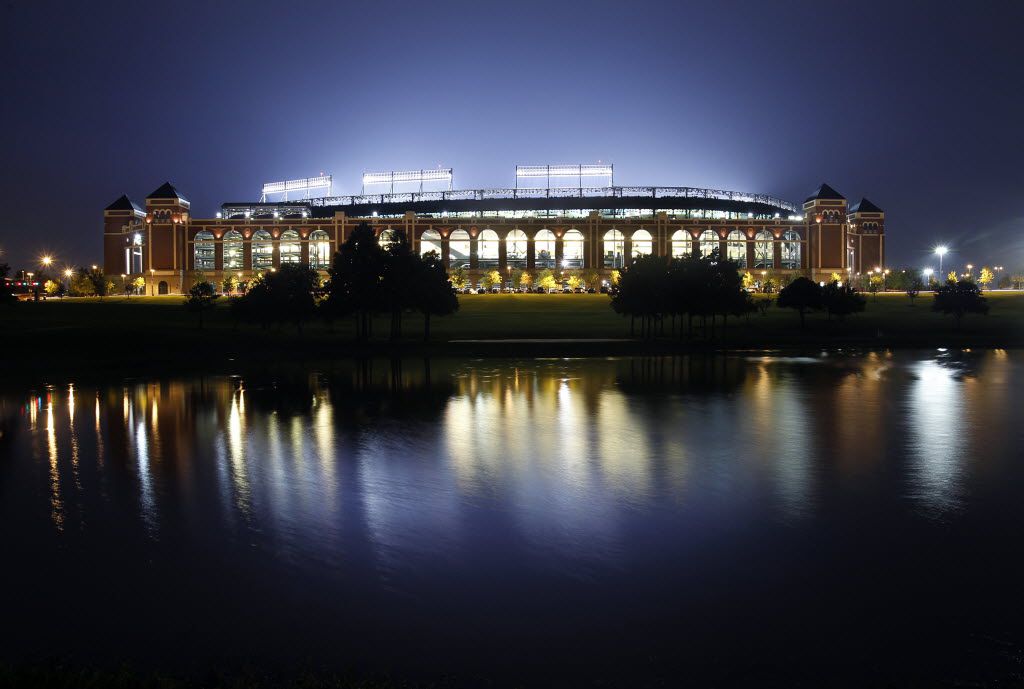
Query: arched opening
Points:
[291, 250]
[487, 249]
[161, 288]
[682, 244]
[319, 249]
[458, 249]
[387, 237]
[708, 243]
[736, 248]
[641, 243]
[515, 249]
[233, 258]
[763, 257]
[614, 248]
[790, 250]
[572, 249]
[544, 249]
[430, 240]
[262, 250]
[204, 250]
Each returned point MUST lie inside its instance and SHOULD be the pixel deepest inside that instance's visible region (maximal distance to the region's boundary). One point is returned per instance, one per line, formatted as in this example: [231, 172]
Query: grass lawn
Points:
[159, 329]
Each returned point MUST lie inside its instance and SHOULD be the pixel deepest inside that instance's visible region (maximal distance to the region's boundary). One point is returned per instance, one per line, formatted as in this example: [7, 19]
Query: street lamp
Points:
[46, 260]
[941, 251]
[928, 276]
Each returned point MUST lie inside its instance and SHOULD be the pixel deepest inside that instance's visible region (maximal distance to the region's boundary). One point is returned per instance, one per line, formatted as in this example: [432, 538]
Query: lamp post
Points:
[928, 276]
[941, 251]
[67, 275]
[152, 285]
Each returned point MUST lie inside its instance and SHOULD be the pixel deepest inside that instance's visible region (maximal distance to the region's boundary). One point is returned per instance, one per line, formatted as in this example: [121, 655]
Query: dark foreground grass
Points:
[157, 332]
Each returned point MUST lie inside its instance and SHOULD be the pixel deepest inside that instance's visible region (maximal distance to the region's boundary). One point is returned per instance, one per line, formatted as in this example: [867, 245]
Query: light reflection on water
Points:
[378, 480]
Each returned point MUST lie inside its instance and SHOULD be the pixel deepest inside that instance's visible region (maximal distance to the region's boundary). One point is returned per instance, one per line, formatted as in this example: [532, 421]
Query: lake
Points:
[750, 519]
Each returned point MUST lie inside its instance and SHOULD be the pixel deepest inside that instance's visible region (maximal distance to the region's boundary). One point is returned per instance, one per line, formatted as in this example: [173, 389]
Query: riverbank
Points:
[157, 334]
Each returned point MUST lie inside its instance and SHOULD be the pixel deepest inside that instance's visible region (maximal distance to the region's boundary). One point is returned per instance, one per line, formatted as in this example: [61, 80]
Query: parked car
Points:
[481, 291]
[591, 290]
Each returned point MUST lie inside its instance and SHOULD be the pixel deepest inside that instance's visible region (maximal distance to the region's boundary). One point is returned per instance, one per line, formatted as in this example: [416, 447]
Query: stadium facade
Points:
[596, 229]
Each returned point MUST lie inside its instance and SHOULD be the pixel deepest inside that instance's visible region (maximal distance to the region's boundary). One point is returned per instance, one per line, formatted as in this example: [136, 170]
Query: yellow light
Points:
[68, 273]
[47, 260]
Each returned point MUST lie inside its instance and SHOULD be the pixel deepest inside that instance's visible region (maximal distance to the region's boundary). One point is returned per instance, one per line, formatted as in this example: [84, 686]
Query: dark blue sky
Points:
[919, 106]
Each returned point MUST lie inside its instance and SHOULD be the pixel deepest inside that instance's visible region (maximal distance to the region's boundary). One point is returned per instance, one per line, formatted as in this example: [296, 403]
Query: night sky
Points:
[918, 106]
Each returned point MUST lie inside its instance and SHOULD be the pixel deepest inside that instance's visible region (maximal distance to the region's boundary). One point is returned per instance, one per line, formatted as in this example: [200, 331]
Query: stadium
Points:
[536, 225]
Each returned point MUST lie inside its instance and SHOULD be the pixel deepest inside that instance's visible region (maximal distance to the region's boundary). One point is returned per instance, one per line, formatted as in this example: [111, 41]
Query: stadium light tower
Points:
[941, 251]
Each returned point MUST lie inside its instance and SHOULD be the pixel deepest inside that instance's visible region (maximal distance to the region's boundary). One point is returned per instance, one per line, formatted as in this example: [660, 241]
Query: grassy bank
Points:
[157, 331]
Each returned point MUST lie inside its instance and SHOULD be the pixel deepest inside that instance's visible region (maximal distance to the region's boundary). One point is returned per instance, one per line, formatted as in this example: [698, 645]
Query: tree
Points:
[802, 295]
[54, 288]
[434, 294]
[591, 279]
[875, 284]
[515, 277]
[986, 277]
[546, 280]
[951, 276]
[958, 298]
[487, 280]
[458, 277]
[139, 284]
[82, 284]
[835, 277]
[914, 287]
[201, 297]
[6, 294]
[397, 279]
[230, 284]
[1018, 281]
[840, 300]
[525, 279]
[495, 277]
[748, 280]
[356, 274]
[573, 281]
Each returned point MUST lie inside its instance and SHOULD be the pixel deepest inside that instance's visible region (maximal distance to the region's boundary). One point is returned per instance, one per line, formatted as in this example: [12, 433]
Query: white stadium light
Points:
[562, 171]
[406, 176]
[296, 185]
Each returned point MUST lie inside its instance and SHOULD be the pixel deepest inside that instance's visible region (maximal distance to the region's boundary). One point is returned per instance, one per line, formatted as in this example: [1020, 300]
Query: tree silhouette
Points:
[802, 295]
[433, 293]
[841, 300]
[6, 294]
[356, 273]
[398, 279]
[958, 298]
[201, 297]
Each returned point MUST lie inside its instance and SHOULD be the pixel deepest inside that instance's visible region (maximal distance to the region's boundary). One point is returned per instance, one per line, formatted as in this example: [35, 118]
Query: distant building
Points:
[498, 229]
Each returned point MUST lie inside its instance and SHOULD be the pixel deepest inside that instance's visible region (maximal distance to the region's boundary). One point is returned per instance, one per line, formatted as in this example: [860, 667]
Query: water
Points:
[742, 519]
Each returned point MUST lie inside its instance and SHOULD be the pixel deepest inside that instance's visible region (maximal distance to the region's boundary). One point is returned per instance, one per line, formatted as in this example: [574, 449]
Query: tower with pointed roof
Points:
[825, 213]
[865, 244]
[167, 218]
[124, 230]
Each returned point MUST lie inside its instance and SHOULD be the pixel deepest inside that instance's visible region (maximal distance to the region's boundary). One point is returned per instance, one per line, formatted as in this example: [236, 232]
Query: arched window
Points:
[614, 247]
[682, 244]
[162, 287]
[708, 242]
[458, 249]
[262, 250]
[204, 250]
[641, 244]
[430, 240]
[736, 248]
[487, 249]
[233, 259]
[544, 249]
[319, 249]
[291, 250]
[572, 249]
[515, 249]
[763, 254]
[790, 250]
[387, 237]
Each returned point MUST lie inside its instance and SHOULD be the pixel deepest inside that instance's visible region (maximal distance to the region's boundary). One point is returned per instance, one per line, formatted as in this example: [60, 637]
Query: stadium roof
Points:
[825, 192]
[865, 206]
[167, 191]
[124, 203]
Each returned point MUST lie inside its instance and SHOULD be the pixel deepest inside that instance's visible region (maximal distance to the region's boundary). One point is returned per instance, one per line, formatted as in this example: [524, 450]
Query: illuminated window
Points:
[204, 250]
[763, 257]
[682, 244]
[614, 248]
[487, 249]
[790, 250]
[544, 248]
[291, 250]
[458, 249]
[641, 244]
[319, 249]
[262, 250]
[387, 238]
[736, 248]
[708, 242]
[430, 240]
[233, 250]
[515, 249]
[572, 249]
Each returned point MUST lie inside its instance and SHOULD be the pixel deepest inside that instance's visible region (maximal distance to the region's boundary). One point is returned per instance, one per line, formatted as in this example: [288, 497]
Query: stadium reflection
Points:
[354, 489]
